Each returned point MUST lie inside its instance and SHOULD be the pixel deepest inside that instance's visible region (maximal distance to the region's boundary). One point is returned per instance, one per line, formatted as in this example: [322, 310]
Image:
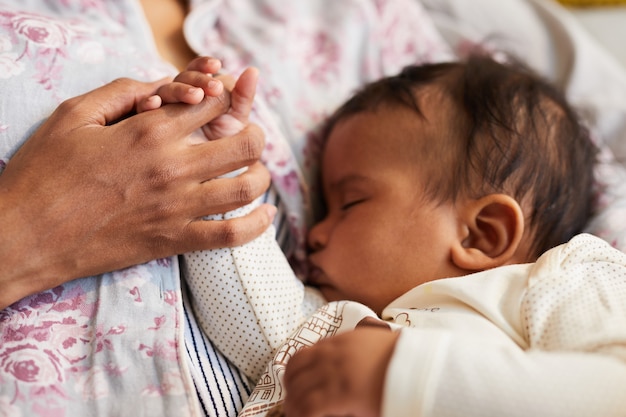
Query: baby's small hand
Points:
[342, 375]
[241, 100]
[190, 86]
[198, 80]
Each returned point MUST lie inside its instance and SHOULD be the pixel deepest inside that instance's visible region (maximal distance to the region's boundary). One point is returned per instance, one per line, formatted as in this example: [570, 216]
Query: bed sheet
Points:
[607, 25]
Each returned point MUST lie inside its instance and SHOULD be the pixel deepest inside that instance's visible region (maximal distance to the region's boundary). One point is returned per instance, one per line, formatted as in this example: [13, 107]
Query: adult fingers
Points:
[225, 154]
[110, 102]
[211, 234]
[224, 194]
[211, 86]
[177, 120]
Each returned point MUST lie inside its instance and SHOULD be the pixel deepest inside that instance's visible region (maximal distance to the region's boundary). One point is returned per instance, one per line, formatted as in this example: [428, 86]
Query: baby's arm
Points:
[246, 299]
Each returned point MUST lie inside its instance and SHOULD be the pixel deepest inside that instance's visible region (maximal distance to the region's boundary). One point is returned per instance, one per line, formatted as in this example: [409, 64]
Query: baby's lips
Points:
[316, 276]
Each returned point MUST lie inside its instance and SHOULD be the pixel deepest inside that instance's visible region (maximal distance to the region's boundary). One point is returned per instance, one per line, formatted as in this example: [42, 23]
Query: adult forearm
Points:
[24, 268]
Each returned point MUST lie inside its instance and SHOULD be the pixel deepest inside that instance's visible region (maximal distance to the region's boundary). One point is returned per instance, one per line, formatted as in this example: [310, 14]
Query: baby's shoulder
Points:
[576, 296]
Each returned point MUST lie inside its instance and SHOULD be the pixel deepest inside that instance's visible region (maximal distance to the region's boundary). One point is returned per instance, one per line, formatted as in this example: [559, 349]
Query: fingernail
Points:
[214, 61]
[213, 84]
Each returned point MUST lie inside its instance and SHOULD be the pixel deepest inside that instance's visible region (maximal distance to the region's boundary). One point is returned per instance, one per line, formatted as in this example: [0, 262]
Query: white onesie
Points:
[547, 338]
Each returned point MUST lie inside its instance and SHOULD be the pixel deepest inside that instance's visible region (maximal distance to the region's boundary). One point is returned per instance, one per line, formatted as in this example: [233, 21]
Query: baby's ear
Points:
[493, 229]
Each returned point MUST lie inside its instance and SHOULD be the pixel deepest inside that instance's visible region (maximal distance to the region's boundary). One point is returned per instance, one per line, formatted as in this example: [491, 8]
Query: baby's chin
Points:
[330, 293]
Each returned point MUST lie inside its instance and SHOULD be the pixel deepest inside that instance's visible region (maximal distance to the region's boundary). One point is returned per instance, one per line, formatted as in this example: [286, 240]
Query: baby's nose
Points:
[318, 236]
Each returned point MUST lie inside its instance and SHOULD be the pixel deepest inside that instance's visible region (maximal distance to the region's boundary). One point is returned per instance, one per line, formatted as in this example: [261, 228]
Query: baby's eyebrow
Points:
[350, 180]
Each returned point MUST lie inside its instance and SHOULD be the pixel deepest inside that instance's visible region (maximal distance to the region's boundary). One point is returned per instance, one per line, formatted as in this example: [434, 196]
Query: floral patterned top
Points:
[79, 349]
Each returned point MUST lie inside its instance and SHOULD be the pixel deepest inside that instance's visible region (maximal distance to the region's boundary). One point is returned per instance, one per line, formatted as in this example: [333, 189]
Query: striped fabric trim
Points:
[222, 389]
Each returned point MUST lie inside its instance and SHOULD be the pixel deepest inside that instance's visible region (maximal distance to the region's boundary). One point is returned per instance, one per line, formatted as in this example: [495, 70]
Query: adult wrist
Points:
[23, 266]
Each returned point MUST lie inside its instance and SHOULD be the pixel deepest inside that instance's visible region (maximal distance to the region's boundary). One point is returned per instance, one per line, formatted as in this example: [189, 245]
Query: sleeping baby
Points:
[449, 267]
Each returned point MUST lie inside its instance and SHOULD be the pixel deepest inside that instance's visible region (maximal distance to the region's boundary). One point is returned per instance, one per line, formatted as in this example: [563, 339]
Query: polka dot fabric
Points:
[247, 299]
[582, 306]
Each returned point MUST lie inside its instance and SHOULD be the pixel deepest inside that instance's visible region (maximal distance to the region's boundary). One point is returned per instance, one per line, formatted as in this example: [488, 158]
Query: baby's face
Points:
[381, 236]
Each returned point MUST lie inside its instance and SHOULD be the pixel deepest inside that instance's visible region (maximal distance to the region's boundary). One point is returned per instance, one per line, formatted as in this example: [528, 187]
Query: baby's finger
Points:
[179, 92]
[242, 95]
[211, 86]
[205, 64]
[149, 103]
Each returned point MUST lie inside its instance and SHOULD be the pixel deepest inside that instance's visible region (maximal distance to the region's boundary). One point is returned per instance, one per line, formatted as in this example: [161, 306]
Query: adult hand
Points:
[83, 196]
[340, 376]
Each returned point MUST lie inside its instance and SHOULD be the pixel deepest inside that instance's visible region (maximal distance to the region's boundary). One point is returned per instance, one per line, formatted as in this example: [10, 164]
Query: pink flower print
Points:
[46, 408]
[5, 44]
[29, 363]
[272, 95]
[170, 297]
[171, 384]
[91, 52]
[133, 279]
[164, 262]
[9, 61]
[319, 58]
[313, 146]
[40, 30]
[167, 350]
[10, 66]
[288, 183]
[93, 384]
[103, 339]
[137, 294]
[158, 322]
[7, 409]
[71, 341]
[278, 158]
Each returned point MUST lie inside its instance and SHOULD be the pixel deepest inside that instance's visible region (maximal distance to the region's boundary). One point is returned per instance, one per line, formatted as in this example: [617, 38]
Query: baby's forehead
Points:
[424, 129]
[416, 140]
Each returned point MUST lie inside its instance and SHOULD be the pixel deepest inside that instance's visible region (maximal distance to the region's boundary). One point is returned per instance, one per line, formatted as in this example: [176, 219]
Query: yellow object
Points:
[592, 2]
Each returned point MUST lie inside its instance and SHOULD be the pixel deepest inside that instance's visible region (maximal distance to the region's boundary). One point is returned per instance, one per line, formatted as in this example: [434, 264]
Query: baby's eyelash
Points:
[350, 204]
